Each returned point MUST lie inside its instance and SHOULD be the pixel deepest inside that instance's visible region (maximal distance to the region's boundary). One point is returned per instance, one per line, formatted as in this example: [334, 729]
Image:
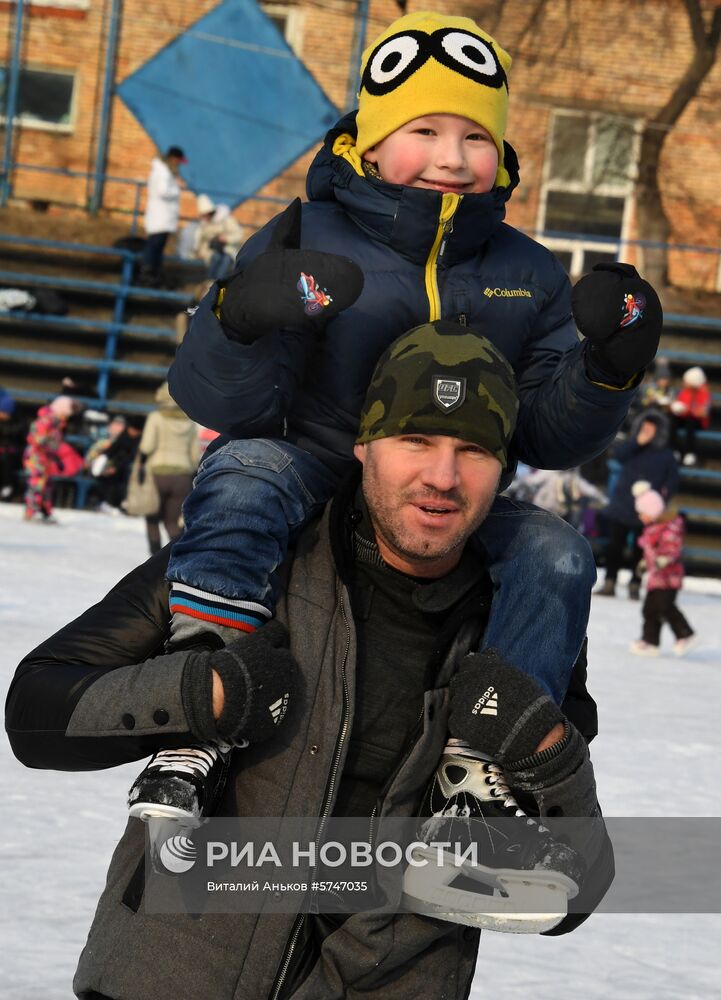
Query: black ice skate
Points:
[182, 785]
[517, 878]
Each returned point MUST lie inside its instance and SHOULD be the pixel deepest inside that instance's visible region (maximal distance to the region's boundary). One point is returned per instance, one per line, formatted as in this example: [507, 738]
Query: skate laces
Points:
[190, 760]
[500, 790]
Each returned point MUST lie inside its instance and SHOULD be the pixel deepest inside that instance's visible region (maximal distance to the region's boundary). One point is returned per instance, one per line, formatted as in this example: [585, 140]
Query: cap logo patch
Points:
[448, 393]
[633, 307]
[313, 297]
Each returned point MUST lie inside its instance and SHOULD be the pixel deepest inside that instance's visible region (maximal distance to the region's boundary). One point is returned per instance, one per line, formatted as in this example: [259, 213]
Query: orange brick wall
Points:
[622, 56]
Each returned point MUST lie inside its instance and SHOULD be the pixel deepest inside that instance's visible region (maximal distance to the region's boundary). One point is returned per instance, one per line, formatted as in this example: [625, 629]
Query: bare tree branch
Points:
[533, 22]
[695, 19]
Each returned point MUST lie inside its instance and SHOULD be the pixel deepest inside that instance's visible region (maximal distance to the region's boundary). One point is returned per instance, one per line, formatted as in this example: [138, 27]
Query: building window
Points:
[45, 98]
[288, 19]
[587, 187]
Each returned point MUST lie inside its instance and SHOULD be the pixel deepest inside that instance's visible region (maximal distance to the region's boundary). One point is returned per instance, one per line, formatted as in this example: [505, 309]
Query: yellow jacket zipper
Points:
[449, 207]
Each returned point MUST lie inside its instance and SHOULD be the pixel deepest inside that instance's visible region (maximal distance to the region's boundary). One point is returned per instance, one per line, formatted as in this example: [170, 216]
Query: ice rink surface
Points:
[657, 755]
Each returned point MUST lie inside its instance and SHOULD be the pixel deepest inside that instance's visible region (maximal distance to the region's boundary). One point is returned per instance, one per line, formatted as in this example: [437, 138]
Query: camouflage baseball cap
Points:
[442, 378]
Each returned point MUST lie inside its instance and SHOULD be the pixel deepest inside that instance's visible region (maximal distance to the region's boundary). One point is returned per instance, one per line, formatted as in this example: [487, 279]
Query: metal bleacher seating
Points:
[110, 337]
[689, 341]
[117, 339]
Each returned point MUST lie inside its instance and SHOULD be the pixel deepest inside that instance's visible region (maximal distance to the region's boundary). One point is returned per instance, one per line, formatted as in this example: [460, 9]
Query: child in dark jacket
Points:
[413, 190]
[661, 544]
[644, 457]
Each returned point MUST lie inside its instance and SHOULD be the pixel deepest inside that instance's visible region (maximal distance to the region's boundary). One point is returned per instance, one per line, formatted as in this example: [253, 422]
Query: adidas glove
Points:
[621, 317]
[261, 684]
[498, 709]
[287, 287]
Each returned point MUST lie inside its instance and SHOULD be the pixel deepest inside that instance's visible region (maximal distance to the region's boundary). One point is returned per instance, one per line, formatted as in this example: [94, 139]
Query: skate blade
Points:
[147, 811]
[527, 902]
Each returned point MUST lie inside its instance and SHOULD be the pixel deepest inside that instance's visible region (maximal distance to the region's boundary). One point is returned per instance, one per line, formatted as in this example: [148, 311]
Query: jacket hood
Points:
[662, 422]
[402, 217]
[166, 403]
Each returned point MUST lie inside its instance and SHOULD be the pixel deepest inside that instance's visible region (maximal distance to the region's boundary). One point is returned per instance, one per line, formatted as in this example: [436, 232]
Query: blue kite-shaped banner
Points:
[230, 91]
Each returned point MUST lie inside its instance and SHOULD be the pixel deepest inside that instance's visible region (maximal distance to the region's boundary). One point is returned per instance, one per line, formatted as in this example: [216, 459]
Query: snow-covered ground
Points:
[657, 755]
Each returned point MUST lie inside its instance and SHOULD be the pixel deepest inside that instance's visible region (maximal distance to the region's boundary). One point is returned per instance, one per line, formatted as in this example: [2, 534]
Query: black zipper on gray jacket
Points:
[407, 750]
[325, 811]
[405, 754]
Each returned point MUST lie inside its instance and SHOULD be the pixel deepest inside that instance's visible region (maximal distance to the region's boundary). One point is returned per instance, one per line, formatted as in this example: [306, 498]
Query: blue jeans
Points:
[251, 499]
[543, 572]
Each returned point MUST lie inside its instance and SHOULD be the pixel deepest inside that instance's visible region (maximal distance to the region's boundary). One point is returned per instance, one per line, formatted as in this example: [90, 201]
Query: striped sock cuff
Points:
[246, 616]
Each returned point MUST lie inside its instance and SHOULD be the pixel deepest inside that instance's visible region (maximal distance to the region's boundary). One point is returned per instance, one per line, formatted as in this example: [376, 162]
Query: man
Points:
[385, 595]
[162, 212]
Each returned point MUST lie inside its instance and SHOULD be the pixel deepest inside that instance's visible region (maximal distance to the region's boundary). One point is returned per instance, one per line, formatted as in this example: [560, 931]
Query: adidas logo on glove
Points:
[487, 704]
[279, 708]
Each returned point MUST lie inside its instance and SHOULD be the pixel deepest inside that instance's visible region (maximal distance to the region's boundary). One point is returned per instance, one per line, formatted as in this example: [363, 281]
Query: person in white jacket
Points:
[162, 211]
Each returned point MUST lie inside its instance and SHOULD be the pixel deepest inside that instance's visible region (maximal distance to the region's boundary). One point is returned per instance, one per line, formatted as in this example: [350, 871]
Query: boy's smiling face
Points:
[442, 152]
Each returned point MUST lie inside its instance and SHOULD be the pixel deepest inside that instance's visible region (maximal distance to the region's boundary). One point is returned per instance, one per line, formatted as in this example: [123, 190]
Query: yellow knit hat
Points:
[429, 64]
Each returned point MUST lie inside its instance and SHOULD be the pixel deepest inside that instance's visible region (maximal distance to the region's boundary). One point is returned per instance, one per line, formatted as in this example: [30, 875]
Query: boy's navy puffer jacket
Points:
[425, 255]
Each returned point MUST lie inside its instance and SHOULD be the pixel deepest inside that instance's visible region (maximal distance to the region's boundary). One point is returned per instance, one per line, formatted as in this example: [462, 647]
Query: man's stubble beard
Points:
[387, 523]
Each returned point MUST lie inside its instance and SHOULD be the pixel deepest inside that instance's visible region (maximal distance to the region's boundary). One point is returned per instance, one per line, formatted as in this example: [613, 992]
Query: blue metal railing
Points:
[111, 52]
[11, 102]
[120, 291]
[100, 179]
[118, 405]
[77, 323]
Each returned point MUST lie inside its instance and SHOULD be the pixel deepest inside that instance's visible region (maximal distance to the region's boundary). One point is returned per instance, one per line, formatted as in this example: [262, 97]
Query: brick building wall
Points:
[622, 57]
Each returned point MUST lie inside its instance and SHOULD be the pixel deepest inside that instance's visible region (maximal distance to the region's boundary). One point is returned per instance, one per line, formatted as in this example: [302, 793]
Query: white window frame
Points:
[28, 122]
[625, 190]
[294, 18]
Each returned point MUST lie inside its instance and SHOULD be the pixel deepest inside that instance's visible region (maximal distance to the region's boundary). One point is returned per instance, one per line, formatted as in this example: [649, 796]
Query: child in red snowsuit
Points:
[692, 410]
[661, 543]
[40, 456]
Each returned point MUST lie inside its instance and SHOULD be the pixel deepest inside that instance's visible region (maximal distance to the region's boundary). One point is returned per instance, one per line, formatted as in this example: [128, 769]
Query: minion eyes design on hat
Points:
[398, 57]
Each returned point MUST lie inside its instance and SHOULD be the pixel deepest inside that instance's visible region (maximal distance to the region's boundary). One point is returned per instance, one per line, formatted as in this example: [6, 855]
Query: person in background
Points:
[564, 492]
[109, 461]
[661, 543]
[96, 451]
[162, 212]
[218, 239]
[84, 420]
[692, 412]
[644, 456]
[40, 458]
[657, 393]
[11, 444]
[169, 452]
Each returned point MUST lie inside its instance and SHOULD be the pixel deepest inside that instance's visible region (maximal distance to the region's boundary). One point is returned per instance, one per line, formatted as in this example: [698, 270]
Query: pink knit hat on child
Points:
[650, 503]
